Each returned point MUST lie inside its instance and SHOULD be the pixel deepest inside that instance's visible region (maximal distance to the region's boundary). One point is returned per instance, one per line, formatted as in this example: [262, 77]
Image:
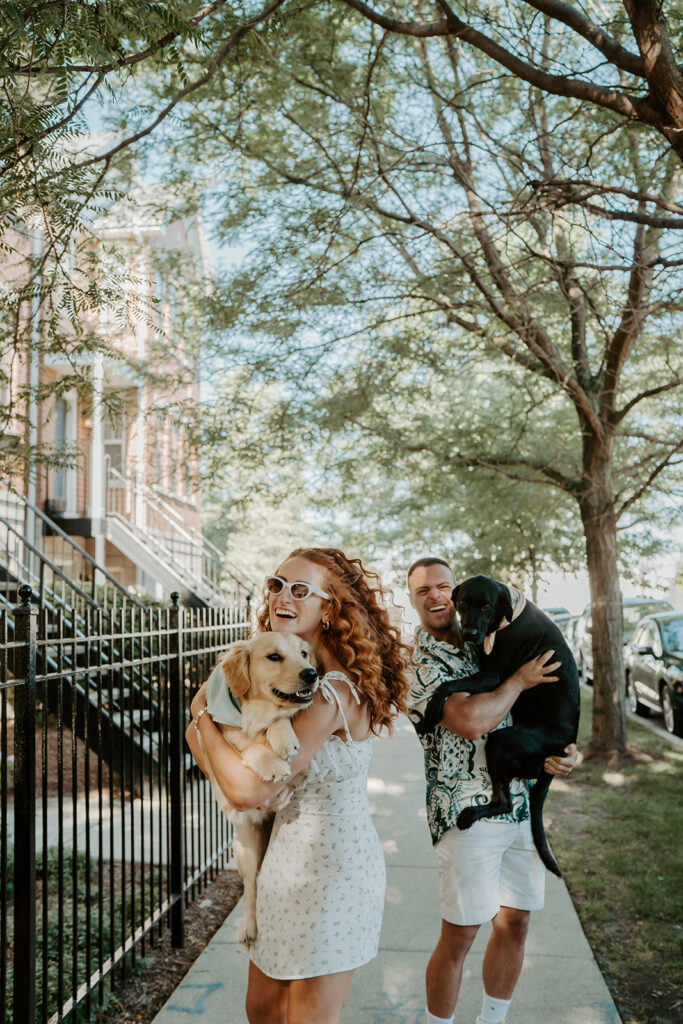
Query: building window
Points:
[159, 438]
[61, 416]
[115, 444]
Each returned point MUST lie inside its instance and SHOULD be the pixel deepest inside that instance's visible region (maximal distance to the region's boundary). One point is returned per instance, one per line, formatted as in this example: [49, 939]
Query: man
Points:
[491, 871]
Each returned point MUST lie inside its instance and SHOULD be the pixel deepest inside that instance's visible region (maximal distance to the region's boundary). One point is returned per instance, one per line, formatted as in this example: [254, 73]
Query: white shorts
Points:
[491, 865]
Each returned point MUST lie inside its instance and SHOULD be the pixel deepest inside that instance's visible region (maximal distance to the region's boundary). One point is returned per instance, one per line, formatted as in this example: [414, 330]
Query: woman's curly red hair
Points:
[360, 633]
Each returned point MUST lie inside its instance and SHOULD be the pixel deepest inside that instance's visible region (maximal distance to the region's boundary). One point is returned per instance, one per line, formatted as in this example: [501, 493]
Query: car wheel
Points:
[673, 718]
[632, 701]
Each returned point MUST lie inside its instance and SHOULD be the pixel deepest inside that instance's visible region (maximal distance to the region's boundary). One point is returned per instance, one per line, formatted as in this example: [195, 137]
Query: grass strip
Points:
[617, 834]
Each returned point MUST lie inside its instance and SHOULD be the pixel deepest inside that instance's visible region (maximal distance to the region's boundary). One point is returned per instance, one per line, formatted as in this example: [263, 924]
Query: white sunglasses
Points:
[298, 590]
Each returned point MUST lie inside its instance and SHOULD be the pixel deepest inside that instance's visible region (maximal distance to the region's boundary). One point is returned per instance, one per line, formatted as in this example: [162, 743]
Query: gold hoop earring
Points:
[326, 624]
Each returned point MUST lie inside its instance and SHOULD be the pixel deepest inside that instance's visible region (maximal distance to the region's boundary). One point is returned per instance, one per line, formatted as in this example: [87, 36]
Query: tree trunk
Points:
[608, 739]
[662, 72]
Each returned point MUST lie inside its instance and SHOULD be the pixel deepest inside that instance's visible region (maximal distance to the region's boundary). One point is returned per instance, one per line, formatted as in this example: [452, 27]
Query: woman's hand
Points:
[562, 765]
[278, 800]
[536, 671]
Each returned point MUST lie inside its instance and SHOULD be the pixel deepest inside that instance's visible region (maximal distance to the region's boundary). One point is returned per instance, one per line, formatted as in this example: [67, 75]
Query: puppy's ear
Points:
[504, 603]
[454, 593]
[235, 667]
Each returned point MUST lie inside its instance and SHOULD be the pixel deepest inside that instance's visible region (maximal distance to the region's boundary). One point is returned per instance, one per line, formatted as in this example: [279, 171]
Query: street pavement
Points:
[560, 982]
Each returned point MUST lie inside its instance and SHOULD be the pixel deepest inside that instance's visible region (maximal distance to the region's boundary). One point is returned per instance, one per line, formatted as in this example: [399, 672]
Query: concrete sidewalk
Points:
[560, 983]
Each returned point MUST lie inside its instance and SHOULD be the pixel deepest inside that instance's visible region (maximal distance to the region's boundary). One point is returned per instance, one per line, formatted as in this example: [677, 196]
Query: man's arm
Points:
[473, 715]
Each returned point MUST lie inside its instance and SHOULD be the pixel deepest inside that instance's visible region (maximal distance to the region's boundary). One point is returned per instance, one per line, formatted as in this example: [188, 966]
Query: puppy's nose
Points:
[308, 675]
[470, 634]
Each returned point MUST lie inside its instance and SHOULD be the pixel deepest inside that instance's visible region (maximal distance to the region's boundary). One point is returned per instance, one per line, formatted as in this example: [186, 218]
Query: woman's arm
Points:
[242, 786]
[471, 715]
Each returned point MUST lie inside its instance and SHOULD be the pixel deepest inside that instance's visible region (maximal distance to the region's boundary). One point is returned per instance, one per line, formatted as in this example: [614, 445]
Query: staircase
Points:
[151, 531]
[92, 628]
[124, 720]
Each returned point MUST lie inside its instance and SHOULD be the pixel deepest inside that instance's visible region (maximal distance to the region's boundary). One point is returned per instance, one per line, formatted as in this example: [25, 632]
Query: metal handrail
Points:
[208, 545]
[42, 558]
[159, 549]
[201, 547]
[55, 528]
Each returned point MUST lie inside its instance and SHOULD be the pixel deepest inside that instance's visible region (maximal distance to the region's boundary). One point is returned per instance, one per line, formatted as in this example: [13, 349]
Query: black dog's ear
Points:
[504, 604]
[454, 592]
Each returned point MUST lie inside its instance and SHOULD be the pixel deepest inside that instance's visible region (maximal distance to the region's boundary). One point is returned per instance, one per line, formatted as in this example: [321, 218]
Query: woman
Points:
[321, 886]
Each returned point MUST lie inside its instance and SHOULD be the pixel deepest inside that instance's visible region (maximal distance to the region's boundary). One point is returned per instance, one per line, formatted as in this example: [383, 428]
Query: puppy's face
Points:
[277, 667]
[481, 604]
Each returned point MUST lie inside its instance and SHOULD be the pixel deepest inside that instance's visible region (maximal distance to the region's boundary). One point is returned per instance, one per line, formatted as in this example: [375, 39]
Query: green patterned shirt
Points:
[456, 771]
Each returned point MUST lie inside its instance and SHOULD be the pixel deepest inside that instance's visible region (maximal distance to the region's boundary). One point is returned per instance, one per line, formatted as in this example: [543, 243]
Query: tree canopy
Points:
[423, 291]
[461, 232]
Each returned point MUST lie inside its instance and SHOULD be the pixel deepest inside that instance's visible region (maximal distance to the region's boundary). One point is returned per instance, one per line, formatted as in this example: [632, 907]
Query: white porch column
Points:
[33, 380]
[140, 459]
[142, 400]
[98, 481]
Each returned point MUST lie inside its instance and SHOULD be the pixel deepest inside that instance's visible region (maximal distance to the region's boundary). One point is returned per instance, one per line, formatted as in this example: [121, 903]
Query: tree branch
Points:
[559, 85]
[565, 185]
[596, 36]
[629, 325]
[649, 479]
[662, 73]
[220, 57]
[620, 414]
[32, 70]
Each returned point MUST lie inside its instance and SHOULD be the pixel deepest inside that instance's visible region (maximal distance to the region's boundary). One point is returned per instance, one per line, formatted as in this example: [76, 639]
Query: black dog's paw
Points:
[466, 819]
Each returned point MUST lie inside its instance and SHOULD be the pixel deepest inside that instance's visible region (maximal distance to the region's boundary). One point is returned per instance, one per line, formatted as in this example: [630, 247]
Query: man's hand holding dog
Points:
[470, 715]
[536, 671]
[562, 765]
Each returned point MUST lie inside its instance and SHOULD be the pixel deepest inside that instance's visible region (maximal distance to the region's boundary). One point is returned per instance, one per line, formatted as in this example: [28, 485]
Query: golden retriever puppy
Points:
[272, 676]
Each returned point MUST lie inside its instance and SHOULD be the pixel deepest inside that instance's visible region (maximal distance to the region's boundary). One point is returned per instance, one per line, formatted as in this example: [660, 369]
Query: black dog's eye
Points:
[486, 606]
[274, 657]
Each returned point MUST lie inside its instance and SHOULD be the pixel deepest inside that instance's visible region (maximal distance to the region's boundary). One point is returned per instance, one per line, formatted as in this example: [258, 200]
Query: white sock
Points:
[430, 1018]
[493, 1011]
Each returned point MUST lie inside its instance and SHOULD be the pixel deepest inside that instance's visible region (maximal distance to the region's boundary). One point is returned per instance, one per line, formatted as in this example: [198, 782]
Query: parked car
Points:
[570, 633]
[560, 617]
[654, 669]
[634, 608]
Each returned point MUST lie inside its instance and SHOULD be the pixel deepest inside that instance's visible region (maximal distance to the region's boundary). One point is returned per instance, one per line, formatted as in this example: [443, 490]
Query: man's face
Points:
[431, 587]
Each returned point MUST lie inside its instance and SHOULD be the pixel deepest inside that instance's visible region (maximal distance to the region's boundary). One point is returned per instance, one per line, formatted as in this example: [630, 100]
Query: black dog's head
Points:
[481, 604]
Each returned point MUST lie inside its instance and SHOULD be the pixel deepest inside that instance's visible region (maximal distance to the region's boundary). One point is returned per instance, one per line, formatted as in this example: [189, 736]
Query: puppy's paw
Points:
[466, 819]
[266, 764]
[247, 931]
[279, 772]
[287, 750]
[282, 738]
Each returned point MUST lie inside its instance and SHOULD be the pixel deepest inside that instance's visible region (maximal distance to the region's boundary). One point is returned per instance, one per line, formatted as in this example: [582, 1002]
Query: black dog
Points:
[545, 718]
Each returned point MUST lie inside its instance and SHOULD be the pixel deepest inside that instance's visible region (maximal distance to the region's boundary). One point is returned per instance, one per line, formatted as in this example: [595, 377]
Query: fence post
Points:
[24, 974]
[177, 781]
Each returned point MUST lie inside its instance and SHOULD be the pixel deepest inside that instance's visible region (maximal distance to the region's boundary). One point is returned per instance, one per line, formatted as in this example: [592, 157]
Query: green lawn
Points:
[617, 836]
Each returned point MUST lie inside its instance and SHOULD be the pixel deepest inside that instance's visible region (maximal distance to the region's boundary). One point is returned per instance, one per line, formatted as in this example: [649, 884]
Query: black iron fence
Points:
[107, 829]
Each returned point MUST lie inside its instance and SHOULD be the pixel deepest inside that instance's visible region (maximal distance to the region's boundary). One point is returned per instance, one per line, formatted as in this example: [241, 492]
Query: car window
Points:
[672, 635]
[656, 641]
[634, 612]
[639, 636]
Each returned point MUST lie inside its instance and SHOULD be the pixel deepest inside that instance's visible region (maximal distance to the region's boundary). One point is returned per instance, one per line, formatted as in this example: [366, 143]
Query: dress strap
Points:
[330, 694]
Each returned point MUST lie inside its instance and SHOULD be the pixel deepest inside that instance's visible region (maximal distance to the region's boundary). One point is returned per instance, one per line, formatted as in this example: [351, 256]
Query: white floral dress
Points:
[322, 884]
